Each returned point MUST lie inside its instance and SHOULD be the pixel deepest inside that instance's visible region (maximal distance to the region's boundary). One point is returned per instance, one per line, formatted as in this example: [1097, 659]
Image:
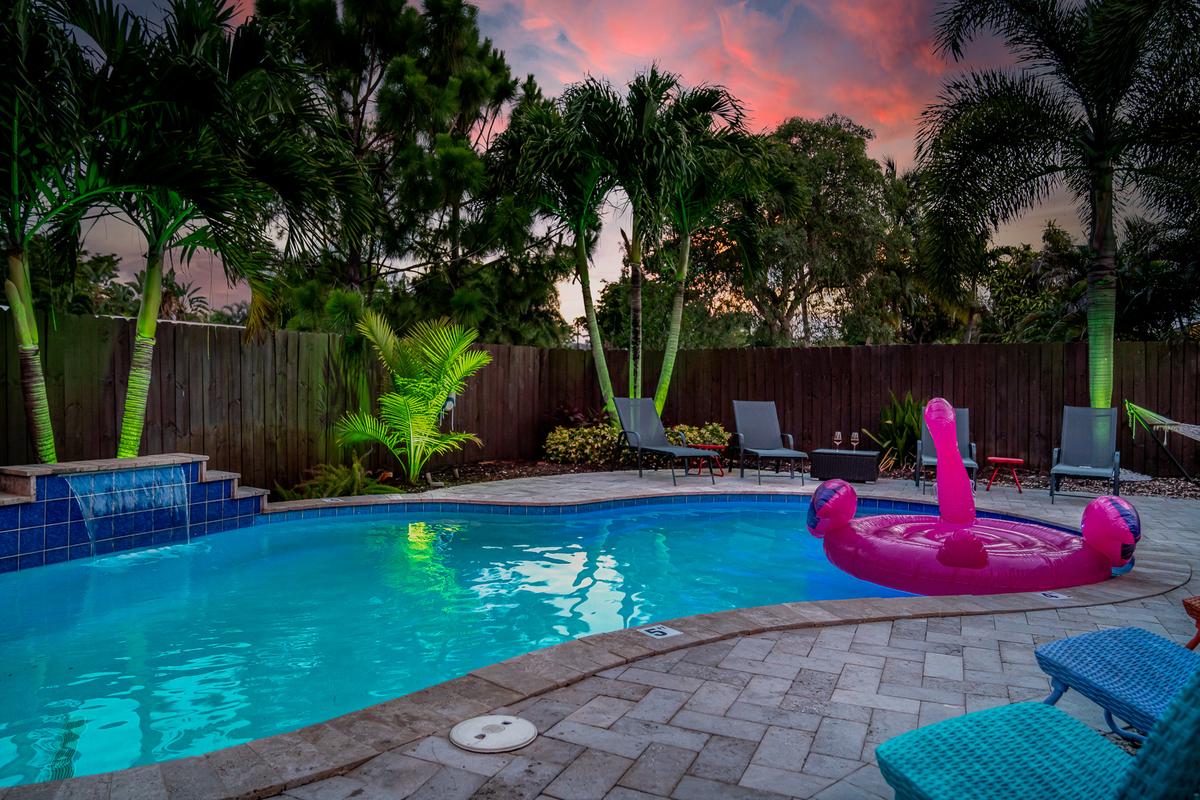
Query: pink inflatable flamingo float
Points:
[955, 553]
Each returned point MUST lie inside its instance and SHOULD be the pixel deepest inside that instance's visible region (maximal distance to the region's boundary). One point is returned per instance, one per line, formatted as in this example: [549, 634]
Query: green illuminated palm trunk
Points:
[671, 349]
[1102, 290]
[33, 381]
[635, 308]
[133, 417]
[589, 310]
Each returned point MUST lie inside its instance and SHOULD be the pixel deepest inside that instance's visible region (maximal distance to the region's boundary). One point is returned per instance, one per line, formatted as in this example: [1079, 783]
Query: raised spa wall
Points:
[42, 522]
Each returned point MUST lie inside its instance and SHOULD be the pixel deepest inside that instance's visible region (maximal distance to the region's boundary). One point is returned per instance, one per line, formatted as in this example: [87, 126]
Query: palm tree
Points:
[557, 165]
[44, 179]
[1107, 99]
[218, 145]
[428, 367]
[718, 169]
[645, 142]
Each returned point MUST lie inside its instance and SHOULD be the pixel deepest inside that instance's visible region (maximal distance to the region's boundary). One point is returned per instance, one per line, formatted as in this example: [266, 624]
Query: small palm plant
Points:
[428, 366]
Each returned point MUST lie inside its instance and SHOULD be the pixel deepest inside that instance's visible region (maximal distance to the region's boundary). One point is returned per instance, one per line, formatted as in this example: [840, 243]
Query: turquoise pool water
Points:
[155, 654]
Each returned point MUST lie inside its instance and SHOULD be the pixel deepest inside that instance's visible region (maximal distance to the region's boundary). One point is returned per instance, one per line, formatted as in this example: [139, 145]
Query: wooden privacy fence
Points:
[265, 408]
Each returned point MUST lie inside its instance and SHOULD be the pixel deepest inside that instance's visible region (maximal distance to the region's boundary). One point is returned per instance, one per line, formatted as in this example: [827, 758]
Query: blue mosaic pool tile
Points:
[10, 517]
[80, 551]
[58, 511]
[121, 543]
[103, 546]
[57, 555]
[9, 543]
[146, 539]
[8, 564]
[78, 532]
[32, 540]
[31, 560]
[197, 493]
[218, 490]
[57, 535]
[33, 514]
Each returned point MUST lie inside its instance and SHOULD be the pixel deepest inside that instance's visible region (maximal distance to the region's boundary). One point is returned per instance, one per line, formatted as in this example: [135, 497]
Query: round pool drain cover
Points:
[493, 734]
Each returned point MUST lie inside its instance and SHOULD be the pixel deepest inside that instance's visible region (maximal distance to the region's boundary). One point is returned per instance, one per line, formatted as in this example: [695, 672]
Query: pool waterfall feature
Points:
[159, 492]
[73, 510]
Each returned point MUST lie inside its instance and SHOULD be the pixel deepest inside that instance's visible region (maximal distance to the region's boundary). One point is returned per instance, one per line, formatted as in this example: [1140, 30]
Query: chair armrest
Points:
[1054, 458]
[682, 438]
[739, 441]
[629, 442]
[1117, 463]
[973, 458]
[789, 442]
[920, 452]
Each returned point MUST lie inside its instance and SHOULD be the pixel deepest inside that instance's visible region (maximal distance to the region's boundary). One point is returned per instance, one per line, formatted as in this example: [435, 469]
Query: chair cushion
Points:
[1129, 671]
[931, 461]
[682, 452]
[1104, 473]
[1026, 750]
[776, 452]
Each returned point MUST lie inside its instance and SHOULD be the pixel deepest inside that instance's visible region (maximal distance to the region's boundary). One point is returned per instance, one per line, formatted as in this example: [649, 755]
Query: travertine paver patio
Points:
[780, 714]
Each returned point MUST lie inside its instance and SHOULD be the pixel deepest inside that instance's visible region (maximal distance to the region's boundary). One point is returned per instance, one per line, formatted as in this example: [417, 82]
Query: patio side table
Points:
[998, 463]
[849, 465]
[715, 448]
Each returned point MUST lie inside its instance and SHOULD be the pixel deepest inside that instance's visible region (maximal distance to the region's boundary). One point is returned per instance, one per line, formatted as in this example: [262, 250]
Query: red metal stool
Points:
[1192, 606]
[998, 463]
[716, 448]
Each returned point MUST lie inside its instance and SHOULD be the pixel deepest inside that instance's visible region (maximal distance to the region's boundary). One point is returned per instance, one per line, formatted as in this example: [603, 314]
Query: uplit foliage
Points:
[428, 366]
[1107, 102]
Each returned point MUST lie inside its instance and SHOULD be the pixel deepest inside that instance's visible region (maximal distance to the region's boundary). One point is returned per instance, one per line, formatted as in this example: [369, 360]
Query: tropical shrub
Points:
[340, 480]
[427, 367]
[596, 444]
[899, 430]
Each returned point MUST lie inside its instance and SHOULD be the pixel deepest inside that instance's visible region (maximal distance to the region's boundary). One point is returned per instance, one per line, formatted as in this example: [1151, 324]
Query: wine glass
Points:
[837, 439]
[854, 439]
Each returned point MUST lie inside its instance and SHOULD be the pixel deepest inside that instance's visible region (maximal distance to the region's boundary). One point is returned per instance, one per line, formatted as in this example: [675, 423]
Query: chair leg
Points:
[742, 463]
[639, 460]
[711, 476]
[1057, 690]
[673, 481]
[759, 470]
[1124, 733]
[1053, 487]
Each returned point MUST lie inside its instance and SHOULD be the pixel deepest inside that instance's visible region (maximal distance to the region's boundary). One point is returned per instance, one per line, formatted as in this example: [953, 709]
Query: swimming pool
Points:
[156, 654]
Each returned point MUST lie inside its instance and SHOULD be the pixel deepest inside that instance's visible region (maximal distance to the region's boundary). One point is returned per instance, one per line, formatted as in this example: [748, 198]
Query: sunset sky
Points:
[871, 60]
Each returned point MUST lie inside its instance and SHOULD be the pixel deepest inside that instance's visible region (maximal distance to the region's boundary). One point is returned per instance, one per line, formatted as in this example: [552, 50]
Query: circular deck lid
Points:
[493, 734]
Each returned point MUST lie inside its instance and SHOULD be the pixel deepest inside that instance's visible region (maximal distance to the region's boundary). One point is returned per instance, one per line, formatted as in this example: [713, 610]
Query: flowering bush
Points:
[596, 444]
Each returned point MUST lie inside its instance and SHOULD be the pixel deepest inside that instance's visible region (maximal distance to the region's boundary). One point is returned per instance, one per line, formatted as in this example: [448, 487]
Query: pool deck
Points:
[779, 701]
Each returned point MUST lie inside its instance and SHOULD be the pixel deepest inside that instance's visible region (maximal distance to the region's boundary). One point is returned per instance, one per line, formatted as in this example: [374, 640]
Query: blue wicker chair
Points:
[1130, 673]
[1033, 750]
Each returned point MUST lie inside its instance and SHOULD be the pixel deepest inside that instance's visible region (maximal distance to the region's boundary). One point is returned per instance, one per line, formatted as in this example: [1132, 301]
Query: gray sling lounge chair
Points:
[641, 429]
[1088, 449]
[758, 435]
[927, 455]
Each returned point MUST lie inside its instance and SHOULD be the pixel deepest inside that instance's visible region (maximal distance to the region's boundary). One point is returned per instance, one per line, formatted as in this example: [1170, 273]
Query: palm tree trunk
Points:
[589, 311]
[1102, 290]
[635, 309]
[133, 417]
[33, 381]
[671, 349]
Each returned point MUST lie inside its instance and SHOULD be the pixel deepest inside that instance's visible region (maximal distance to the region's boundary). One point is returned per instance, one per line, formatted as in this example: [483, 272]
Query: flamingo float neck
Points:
[956, 506]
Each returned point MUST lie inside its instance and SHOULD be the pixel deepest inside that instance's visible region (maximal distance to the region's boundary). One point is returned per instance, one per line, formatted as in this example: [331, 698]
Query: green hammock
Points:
[1157, 423]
